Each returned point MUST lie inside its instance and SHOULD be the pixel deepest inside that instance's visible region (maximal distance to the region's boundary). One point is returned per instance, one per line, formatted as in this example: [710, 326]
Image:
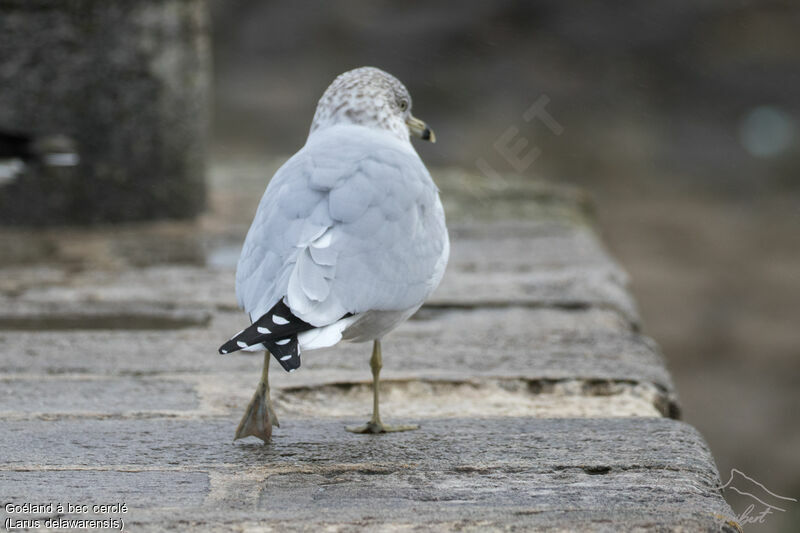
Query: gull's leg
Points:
[260, 416]
[375, 425]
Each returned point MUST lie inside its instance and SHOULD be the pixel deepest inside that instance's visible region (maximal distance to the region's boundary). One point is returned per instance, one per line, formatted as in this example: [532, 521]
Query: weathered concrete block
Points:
[541, 404]
[550, 362]
[454, 474]
[539, 264]
[91, 396]
[127, 82]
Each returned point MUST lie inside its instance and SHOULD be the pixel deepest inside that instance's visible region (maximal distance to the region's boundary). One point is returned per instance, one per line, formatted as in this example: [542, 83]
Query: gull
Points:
[348, 240]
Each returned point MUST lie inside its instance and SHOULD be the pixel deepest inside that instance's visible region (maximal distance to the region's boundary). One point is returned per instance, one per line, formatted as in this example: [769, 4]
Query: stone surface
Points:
[547, 264]
[52, 315]
[541, 403]
[45, 395]
[127, 82]
[536, 350]
[454, 473]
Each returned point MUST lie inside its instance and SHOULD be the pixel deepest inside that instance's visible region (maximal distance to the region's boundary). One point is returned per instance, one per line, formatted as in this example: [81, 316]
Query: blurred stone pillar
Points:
[126, 83]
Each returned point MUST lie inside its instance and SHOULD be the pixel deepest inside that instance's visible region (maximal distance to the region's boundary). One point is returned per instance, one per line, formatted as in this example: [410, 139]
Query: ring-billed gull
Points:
[348, 241]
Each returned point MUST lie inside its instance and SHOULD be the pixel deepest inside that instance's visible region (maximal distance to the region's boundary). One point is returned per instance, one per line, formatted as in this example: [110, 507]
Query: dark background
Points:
[679, 117]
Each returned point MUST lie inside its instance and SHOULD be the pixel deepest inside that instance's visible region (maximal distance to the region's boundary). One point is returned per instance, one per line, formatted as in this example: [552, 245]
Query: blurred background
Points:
[681, 119]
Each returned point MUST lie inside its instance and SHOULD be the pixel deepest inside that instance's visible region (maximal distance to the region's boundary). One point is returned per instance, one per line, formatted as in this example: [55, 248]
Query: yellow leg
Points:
[375, 425]
[259, 417]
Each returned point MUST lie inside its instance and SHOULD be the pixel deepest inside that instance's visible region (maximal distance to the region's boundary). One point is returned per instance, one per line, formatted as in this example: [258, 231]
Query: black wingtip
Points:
[276, 331]
[286, 353]
[229, 347]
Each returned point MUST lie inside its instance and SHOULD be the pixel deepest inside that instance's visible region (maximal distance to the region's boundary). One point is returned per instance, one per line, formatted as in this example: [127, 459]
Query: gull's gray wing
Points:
[351, 223]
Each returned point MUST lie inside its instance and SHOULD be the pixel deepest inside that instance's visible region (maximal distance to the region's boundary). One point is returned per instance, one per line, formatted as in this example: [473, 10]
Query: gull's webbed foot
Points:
[259, 417]
[379, 427]
[375, 425]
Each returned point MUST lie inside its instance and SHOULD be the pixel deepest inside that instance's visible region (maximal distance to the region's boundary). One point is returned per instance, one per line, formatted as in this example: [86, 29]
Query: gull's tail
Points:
[277, 332]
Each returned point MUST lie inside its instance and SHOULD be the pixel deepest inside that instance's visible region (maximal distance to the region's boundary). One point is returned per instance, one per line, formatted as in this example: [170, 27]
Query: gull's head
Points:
[370, 97]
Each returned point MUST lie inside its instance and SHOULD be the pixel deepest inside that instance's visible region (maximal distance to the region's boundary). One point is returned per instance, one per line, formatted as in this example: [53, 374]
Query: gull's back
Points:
[351, 224]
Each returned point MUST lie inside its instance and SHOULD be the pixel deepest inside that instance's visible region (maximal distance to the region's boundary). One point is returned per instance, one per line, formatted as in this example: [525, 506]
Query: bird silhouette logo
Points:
[759, 500]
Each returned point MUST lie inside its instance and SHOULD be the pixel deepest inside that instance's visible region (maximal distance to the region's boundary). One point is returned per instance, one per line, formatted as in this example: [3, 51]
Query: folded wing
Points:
[351, 223]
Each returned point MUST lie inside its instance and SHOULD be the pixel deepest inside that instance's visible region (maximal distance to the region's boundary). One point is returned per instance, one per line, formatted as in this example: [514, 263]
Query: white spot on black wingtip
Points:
[223, 352]
[279, 320]
[292, 370]
[286, 357]
[241, 344]
[263, 331]
[282, 342]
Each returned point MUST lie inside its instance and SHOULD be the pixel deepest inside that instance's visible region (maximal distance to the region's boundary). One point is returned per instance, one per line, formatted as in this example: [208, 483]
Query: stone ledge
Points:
[542, 405]
[536, 473]
[554, 354]
[543, 264]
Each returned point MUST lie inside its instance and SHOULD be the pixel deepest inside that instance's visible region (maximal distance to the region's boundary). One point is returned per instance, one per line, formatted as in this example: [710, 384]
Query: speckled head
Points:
[369, 97]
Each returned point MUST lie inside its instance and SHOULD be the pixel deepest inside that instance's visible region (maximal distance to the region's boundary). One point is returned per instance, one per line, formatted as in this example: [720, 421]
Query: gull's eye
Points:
[403, 105]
